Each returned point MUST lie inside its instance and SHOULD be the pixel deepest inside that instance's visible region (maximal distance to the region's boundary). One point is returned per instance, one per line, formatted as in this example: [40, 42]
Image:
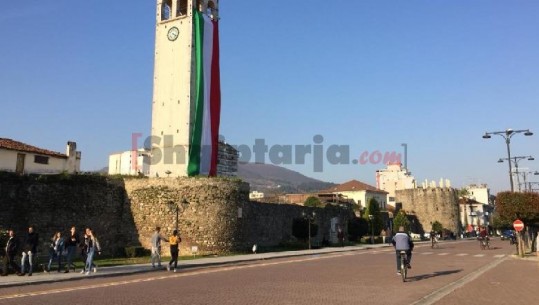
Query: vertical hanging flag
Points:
[205, 134]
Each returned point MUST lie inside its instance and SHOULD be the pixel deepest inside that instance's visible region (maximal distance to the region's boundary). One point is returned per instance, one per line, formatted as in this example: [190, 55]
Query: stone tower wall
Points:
[430, 205]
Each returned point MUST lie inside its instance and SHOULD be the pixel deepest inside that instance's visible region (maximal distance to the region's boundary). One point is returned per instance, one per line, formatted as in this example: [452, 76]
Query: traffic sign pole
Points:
[519, 226]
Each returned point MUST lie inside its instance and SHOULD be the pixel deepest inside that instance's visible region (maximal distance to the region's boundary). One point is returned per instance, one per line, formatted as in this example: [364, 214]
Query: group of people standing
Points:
[59, 247]
[174, 240]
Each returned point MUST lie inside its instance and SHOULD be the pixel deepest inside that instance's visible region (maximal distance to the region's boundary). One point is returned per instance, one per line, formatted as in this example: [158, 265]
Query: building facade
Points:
[138, 162]
[360, 193]
[394, 177]
[479, 193]
[132, 162]
[23, 158]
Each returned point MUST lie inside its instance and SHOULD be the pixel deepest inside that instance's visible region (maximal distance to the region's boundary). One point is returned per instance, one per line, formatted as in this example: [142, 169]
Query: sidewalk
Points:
[41, 277]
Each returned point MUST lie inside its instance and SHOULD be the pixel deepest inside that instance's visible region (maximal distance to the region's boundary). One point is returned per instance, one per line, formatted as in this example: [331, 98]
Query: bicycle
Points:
[484, 243]
[434, 243]
[404, 264]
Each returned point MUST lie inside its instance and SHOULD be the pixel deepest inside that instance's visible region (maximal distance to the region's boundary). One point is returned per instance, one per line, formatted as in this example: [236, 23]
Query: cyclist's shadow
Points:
[430, 275]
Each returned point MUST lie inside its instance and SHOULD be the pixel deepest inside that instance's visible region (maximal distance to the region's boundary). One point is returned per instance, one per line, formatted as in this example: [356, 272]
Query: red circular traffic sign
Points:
[518, 225]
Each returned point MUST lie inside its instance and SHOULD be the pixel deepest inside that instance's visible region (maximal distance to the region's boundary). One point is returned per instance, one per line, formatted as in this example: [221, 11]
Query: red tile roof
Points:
[22, 147]
[354, 185]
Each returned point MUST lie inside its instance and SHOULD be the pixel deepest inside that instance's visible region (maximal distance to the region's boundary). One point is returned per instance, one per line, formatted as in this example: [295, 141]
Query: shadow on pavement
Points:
[431, 275]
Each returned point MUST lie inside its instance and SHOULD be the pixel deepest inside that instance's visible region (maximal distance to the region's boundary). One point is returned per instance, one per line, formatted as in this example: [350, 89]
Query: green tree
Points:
[313, 202]
[437, 226]
[357, 228]
[401, 220]
[499, 224]
[463, 193]
[373, 208]
[524, 206]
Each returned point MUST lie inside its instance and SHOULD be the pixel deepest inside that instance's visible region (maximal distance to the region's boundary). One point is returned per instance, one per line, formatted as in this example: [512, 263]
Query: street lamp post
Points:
[507, 134]
[310, 218]
[516, 160]
[175, 207]
[527, 186]
[371, 217]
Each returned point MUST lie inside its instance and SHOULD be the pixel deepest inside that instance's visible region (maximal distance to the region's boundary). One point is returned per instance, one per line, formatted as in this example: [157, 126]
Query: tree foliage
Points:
[373, 208]
[401, 219]
[357, 228]
[437, 226]
[498, 223]
[524, 206]
[313, 202]
[463, 192]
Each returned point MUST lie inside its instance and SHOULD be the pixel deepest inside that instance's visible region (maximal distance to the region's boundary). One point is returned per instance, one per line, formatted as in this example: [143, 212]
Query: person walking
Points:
[340, 236]
[93, 247]
[29, 250]
[174, 241]
[156, 247]
[84, 250]
[72, 242]
[55, 251]
[11, 248]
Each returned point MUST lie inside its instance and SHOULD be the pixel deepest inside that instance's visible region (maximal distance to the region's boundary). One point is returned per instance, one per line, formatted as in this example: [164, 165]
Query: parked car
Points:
[508, 235]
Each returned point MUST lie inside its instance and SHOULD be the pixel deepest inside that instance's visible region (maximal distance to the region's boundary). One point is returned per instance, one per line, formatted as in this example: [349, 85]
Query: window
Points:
[181, 8]
[211, 9]
[166, 10]
[41, 159]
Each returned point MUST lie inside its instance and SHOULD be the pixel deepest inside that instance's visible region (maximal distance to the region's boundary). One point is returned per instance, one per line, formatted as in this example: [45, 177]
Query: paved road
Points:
[456, 273]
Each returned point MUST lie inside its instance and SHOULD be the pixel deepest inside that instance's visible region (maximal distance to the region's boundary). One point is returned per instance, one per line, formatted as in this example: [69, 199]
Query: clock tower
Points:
[186, 89]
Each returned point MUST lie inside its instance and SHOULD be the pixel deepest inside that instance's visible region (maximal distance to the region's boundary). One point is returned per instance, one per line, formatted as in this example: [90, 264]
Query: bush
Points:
[131, 252]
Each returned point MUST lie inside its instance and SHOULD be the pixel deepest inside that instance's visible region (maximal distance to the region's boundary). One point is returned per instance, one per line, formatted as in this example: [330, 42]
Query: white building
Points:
[22, 158]
[361, 193]
[478, 192]
[130, 162]
[133, 162]
[394, 177]
[256, 195]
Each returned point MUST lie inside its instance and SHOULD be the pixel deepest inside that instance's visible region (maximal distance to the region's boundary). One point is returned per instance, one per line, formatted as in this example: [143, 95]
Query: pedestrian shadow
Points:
[431, 275]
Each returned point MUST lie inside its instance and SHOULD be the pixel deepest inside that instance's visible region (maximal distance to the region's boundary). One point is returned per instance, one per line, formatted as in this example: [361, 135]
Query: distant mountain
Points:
[273, 179]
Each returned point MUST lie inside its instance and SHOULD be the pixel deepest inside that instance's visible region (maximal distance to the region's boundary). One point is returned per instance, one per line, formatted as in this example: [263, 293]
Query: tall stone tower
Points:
[186, 90]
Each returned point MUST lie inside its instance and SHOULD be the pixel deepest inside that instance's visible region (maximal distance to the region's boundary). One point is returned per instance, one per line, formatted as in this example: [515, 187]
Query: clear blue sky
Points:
[368, 74]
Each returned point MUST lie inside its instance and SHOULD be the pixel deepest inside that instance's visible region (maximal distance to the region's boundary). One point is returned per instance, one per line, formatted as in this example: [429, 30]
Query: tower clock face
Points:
[173, 33]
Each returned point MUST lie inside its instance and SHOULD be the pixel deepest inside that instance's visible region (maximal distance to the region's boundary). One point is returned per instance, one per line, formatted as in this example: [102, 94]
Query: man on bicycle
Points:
[432, 238]
[403, 242]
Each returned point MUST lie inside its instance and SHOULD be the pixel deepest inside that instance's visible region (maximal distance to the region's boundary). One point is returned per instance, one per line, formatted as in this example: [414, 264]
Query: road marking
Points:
[427, 253]
[462, 254]
[437, 295]
[441, 254]
[479, 255]
[499, 255]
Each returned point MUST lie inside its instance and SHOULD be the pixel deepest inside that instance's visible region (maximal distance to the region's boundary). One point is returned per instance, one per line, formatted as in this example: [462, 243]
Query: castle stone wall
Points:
[214, 214]
[430, 205]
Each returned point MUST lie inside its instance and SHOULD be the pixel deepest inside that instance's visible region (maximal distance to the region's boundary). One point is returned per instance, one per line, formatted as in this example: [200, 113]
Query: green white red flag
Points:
[205, 134]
